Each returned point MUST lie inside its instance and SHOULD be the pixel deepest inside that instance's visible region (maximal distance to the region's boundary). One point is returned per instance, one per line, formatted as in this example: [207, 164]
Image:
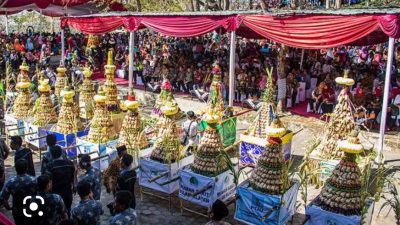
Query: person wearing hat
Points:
[92, 175]
[112, 172]
[190, 128]
[218, 212]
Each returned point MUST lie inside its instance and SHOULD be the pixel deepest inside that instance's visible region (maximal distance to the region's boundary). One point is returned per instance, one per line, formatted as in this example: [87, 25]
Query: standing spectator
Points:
[125, 214]
[88, 210]
[62, 172]
[4, 152]
[127, 178]
[54, 210]
[22, 153]
[218, 212]
[190, 128]
[19, 187]
[92, 175]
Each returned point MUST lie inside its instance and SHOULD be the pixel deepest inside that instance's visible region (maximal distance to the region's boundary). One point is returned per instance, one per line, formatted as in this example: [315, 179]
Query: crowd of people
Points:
[187, 63]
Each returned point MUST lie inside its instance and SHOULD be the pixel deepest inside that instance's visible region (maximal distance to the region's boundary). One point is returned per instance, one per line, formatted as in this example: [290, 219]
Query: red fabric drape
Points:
[186, 26]
[312, 32]
[93, 25]
[390, 24]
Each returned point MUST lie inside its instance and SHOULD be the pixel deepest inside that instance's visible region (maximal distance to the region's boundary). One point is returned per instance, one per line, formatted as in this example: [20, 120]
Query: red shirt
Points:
[378, 91]
[359, 92]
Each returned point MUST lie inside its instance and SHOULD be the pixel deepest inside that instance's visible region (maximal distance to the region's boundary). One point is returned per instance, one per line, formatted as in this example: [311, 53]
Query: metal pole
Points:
[7, 24]
[232, 68]
[131, 48]
[302, 59]
[62, 48]
[385, 99]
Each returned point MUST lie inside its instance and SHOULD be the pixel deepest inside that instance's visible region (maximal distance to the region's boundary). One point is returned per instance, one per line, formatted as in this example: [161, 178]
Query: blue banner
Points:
[256, 208]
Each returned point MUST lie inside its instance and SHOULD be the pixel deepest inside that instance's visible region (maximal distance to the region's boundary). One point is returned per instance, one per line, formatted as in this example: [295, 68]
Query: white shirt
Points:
[397, 100]
[190, 129]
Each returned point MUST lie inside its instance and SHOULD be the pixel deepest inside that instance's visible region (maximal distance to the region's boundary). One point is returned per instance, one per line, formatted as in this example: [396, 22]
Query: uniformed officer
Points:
[4, 152]
[127, 178]
[88, 210]
[51, 141]
[92, 175]
[112, 172]
[125, 214]
[53, 209]
[22, 153]
[19, 187]
[62, 173]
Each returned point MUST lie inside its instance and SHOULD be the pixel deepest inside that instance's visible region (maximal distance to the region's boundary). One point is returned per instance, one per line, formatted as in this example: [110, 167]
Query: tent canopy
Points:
[300, 29]
[54, 8]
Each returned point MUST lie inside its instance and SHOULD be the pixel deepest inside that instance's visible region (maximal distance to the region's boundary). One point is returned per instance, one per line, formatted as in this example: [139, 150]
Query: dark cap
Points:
[121, 149]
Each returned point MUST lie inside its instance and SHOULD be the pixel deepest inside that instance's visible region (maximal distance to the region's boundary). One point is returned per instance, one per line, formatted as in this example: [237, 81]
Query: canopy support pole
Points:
[232, 68]
[7, 24]
[302, 58]
[62, 48]
[385, 99]
[131, 48]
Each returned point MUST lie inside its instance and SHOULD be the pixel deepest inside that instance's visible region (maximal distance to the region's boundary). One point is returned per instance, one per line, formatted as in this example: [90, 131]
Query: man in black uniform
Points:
[51, 141]
[19, 187]
[4, 152]
[62, 172]
[22, 153]
[127, 178]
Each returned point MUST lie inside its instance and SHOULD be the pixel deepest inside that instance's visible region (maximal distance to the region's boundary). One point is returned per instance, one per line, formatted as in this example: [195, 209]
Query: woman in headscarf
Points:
[29, 45]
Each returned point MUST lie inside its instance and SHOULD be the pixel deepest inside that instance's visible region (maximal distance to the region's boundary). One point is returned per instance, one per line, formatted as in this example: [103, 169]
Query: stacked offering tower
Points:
[342, 191]
[101, 127]
[45, 113]
[270, 175]
[206, 161]
[110, 87]
[132, 132]
[342, 121]
[87, 94]
[168, 148]
[22, 103]
[68, 118]
[61, 80]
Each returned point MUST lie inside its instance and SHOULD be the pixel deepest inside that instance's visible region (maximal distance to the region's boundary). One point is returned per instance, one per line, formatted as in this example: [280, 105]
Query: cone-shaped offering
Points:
[132, 131]
[164, 98]
[342, 191]
[22, 103]
[270, 175]
[61, 79]
[168, 148]
[266, 113]
[45, 113]
[216, 99]
[87, 94]
[342, 121]
[101, 127]
[110, 87]
[68, 118]
[206, 161]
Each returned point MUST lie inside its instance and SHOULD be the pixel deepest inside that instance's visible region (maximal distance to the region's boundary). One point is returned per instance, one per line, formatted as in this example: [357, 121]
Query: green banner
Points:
[227, 130]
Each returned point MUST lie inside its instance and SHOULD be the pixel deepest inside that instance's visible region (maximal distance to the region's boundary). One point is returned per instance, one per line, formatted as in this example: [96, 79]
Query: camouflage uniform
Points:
[19, 187]
[53, 209]
[93, 177]
[111, 174]
[47, 158]
[87, 212]
[127, 217]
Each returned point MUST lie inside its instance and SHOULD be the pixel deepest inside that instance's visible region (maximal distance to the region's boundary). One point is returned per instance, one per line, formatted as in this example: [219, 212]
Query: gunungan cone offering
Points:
[165, 97]
[87, 94]
[22, 103]
[68, 118]
[342, 121]
[110, 87]
[61, 79]
[45, 113]
[132, 131]
[216, 99]
[342, 191]
[206, 159]
[270, 175]
[168, 147]
[265, 113]
[101, 127]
